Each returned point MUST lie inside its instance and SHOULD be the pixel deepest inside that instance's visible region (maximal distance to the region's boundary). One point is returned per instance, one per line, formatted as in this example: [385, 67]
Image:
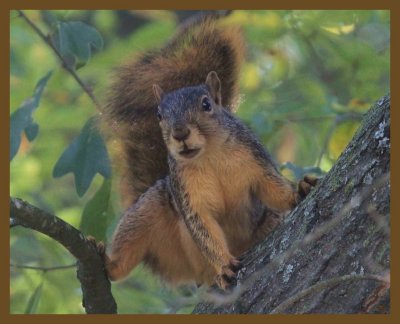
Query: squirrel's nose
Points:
[180, 133]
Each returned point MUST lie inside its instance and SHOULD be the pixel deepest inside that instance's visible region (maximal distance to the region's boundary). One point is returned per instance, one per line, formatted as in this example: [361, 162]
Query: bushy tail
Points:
[130, 116]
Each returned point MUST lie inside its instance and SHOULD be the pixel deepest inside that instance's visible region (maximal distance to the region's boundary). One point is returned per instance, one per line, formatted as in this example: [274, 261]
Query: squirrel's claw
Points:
[100, 246]
[224, 282]
[91, 240]
[235, 265]
[312, 180]
[227, 278]
[306, 185]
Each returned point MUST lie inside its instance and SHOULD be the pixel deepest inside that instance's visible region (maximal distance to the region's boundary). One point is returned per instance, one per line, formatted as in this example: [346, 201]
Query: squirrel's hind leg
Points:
[132, 237]
[128, 247]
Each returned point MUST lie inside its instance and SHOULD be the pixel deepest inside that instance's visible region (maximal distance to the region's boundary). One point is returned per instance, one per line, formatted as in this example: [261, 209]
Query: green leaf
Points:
[33, 301]
[77, 39]
[49, 18]
[98, 213]
[21, 120]
[32, 131]
[84, 157]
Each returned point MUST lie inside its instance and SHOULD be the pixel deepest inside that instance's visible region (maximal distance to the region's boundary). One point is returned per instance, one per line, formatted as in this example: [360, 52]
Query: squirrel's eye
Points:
[159, 117]
[206, 104]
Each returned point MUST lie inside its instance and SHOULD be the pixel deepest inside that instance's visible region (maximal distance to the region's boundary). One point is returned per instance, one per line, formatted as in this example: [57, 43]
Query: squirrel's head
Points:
[190, 118]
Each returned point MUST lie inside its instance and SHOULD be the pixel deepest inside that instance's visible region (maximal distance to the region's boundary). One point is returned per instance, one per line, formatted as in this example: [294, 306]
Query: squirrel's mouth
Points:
[189, 153]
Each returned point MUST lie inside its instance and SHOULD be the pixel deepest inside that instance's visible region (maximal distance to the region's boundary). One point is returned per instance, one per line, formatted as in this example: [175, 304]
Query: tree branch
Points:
[96, 287]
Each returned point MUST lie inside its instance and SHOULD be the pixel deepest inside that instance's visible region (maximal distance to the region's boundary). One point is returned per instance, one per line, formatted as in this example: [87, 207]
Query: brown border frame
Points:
[7, 5]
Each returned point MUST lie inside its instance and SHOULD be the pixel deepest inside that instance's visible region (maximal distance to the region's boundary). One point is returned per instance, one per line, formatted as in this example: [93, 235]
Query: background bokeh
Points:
[308, 78]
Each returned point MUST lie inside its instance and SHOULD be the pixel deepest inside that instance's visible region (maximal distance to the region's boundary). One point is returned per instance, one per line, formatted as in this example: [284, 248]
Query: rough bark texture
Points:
[331, 254]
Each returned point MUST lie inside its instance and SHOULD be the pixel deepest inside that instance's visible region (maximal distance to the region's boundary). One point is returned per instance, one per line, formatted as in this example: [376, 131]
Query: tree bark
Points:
[331, 254]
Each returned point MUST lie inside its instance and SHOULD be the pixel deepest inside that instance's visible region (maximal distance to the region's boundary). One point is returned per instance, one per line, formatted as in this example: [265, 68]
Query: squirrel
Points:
[200, 187]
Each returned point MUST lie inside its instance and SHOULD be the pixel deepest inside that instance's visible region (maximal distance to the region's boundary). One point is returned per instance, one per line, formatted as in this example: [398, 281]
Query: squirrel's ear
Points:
[158, 93]
[214, 85]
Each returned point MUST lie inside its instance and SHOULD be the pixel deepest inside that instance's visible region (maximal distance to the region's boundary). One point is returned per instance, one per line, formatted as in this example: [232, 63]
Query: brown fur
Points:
[193, 224]
[153, 232]
[129, 119]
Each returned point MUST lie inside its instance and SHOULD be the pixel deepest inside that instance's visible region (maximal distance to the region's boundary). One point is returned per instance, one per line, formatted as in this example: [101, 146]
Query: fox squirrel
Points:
[200, 186]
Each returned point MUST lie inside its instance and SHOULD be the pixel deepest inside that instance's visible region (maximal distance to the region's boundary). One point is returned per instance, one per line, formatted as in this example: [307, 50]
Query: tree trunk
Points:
[331, 254]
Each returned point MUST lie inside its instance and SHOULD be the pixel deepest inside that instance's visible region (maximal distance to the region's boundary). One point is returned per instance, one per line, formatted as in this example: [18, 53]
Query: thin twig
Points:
[323, 285]
[44, 269]
[65, 65]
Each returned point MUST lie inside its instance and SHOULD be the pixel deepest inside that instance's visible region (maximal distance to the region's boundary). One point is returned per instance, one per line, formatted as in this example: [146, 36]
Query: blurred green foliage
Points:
[308, 78]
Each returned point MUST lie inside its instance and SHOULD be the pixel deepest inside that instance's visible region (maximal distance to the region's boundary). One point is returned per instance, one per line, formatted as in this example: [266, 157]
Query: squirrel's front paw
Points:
[101, 248]
[306, 185]
[227, 276]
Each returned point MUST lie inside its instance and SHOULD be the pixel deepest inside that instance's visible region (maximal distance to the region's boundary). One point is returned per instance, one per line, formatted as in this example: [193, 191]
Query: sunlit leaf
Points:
[251, 77]
[341, 137]
[358, 105]
[21, 120]
[340, 30]
[84, 157]
[98, 213]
